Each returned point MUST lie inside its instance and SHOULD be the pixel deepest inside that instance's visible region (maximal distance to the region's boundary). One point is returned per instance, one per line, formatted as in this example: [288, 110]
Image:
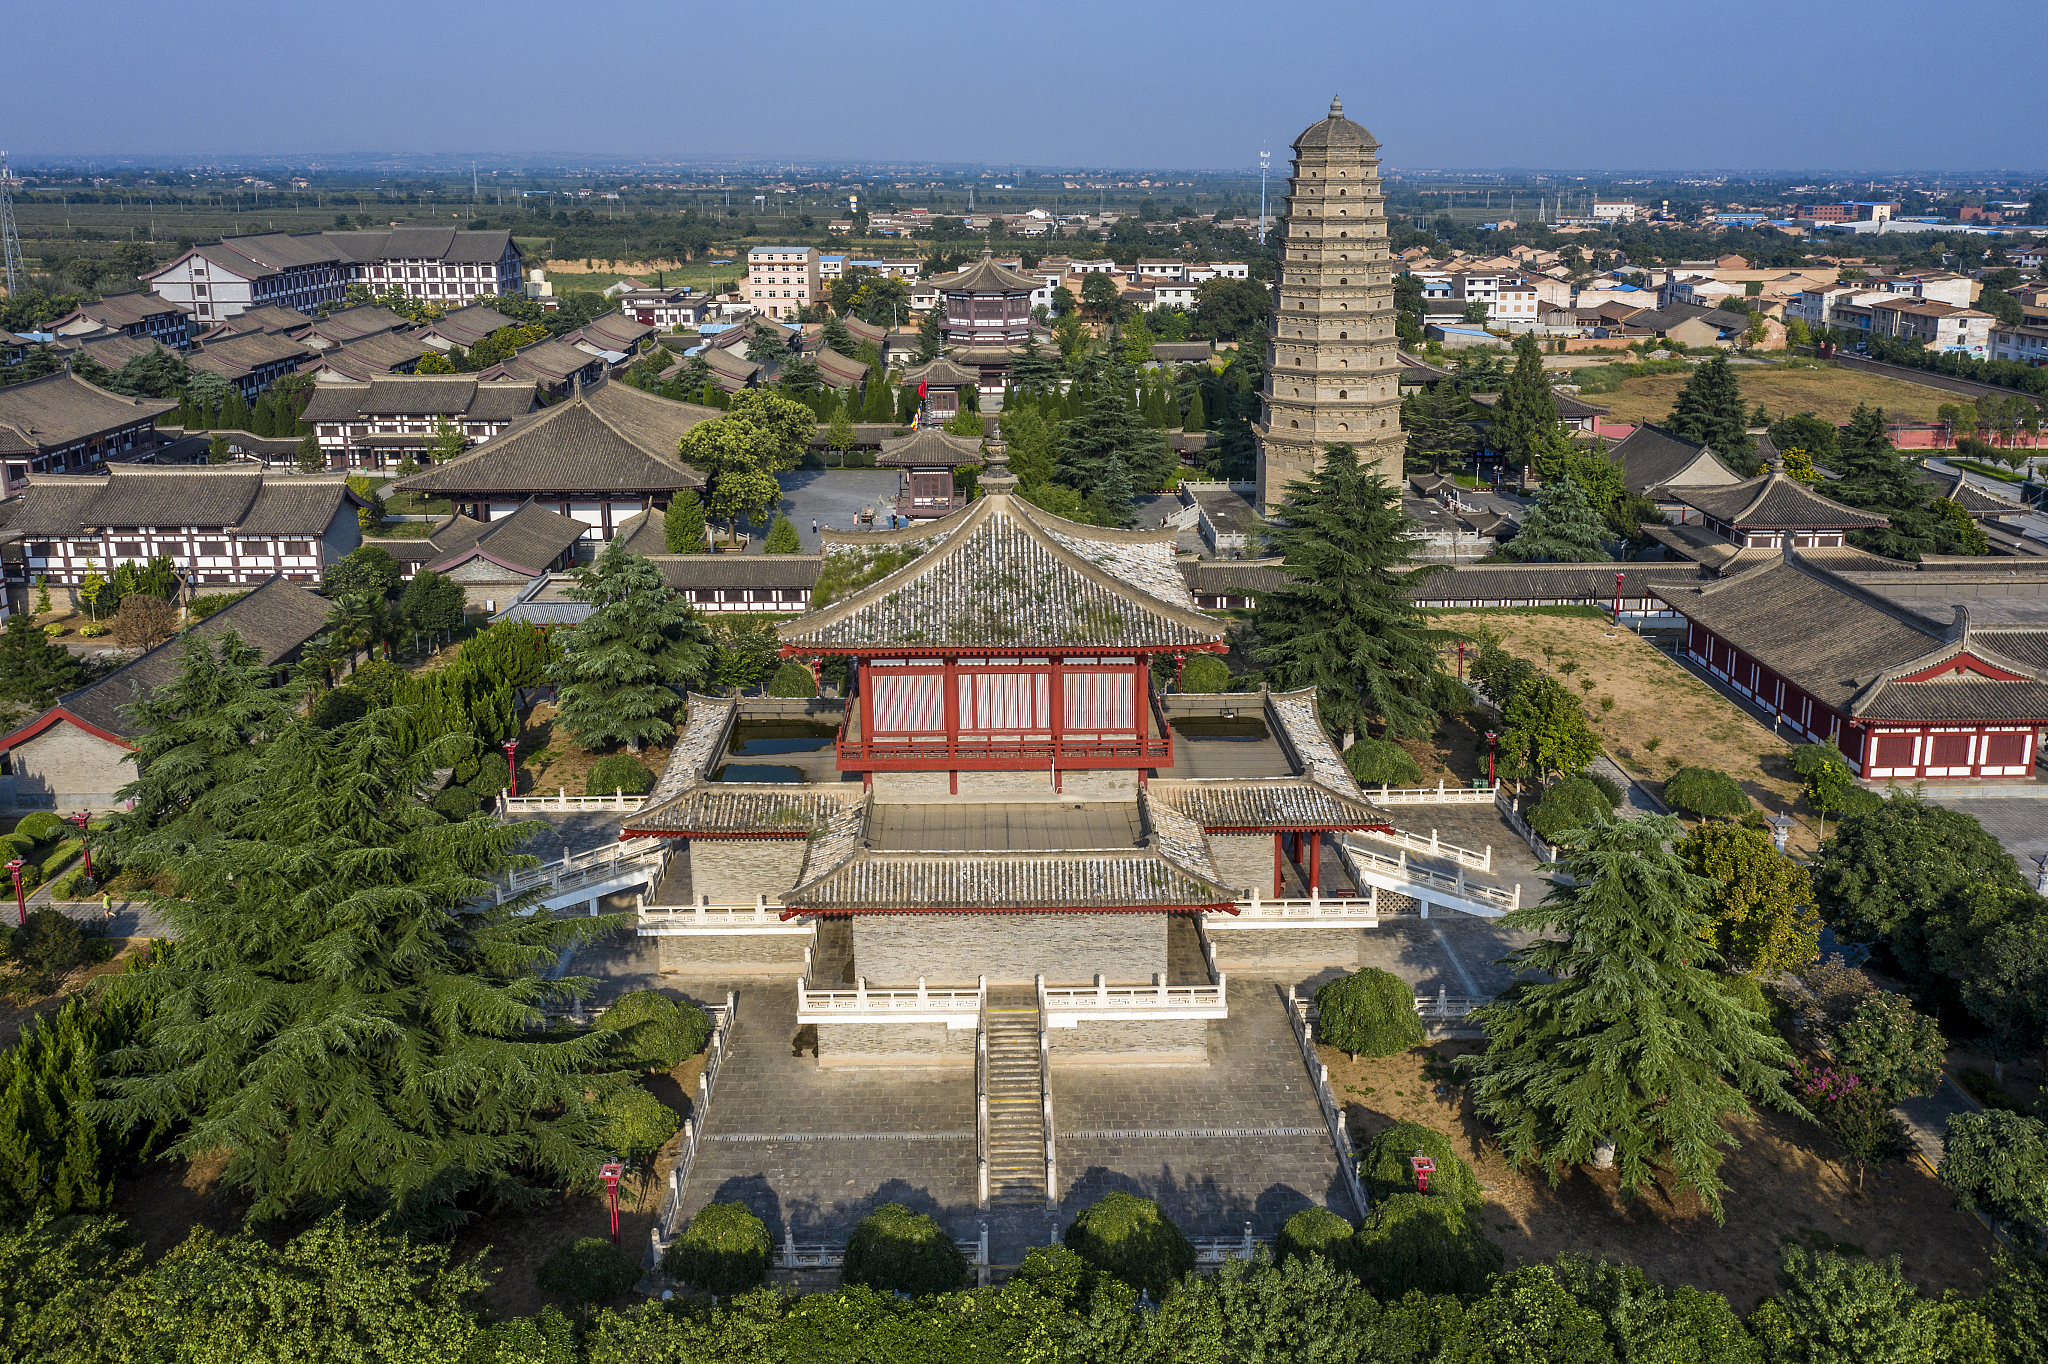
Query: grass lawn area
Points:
[1786, 1187]
[572, 277]
[416, 504]
[1663, 717]
[1830, 394]
[548, 763]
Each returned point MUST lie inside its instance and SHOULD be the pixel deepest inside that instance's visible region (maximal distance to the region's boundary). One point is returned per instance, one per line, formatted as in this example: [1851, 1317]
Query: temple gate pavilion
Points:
[1007, 799]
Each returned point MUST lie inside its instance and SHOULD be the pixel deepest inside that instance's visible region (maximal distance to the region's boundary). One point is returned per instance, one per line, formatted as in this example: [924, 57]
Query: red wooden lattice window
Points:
[1894, 750]
[2005, 750]
[1950, 750]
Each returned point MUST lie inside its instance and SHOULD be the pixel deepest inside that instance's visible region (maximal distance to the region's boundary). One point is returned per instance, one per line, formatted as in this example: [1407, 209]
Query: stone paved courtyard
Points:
[815, 1150]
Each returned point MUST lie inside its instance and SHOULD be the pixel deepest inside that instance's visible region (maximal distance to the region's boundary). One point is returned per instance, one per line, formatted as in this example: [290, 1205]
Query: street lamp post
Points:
[20, 904]
[610, 1173]
[81, 819]
[511, 747]
[1491, 740]
[1617, 597]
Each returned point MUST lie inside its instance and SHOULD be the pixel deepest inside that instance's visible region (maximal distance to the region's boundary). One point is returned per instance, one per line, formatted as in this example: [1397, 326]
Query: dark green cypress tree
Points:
[1621, 1032]
[34, 669]
[1109, 424]
[1196, 419]
[337, 907]
[1710, 410]
[1345, 622]
[1114, 492]
[1525, 406]
[619, 666]
[879, 408]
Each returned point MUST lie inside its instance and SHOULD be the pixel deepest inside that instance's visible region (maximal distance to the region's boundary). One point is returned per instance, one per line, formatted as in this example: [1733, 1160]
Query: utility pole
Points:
[1265, 161]
[10, 238]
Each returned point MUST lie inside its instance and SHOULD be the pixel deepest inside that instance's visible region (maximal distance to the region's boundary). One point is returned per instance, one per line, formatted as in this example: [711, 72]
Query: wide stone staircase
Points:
[1016, 1101]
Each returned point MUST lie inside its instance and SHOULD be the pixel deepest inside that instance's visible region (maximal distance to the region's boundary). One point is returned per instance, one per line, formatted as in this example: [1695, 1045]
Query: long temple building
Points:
[1005, 799]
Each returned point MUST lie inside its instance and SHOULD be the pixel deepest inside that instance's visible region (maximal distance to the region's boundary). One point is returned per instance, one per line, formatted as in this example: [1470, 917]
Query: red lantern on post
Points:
[81, 819]
[511, 747]
[611, 1173]
[1617, 598]
[1491, 740]
[1424, 1167]
[1461, 660]
[20, 903]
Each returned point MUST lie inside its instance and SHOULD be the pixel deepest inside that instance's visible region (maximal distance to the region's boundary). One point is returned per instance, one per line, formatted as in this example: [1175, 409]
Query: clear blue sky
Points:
[1612, 84]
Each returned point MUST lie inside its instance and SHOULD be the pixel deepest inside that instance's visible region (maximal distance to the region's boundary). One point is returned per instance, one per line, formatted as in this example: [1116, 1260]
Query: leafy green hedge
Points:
[1381, 762]
[657, 1032]
[900, 1251]
[589, 1269]
[724, 1250]
[1704, 792]
[1204, 673]
[617, 772]
[1571, 804]
[1385, 1168]
[1416, 1241]
[1368, 1013]
[1317, 1231]
[1130, 1238]
[792, 679]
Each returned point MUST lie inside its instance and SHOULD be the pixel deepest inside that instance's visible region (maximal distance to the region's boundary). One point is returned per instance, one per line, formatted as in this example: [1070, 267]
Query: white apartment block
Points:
[2028, 345]
[303, 270]
[782, 281]
[1615, 210]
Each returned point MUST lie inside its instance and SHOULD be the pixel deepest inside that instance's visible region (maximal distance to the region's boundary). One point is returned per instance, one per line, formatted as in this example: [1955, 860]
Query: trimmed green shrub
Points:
[782, 538]
[617, 772]
[1570, 804]
[492, 776]
[590, 1269]
[635, 1124]
[725, 1250]
[457, 802]
[1129, 1237]
[1316, 1231]
[792, 679]
[17, 845]
[896, 1250]
[1368, 1013]
[1415, 1241]
[60, 857]
[199, 608]
[1204, 673]
[40, 827]
[1607, 785]
[657, 1032]
[1381, 762]
[1385, 1168]
[1706, 793]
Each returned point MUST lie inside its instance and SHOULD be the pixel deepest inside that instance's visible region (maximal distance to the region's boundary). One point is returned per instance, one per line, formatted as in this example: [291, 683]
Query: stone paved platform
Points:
[815, 1150]
[1239, 1140]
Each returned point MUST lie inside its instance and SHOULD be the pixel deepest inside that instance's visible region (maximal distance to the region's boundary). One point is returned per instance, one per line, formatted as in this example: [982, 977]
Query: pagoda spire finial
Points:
[1336, 107]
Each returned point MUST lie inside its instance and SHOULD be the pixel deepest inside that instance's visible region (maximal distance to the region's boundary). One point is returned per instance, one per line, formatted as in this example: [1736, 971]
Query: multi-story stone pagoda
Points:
[1332, 372]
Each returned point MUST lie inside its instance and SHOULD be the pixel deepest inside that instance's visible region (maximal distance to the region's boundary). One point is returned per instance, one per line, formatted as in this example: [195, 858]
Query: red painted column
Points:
[1279, 876]
[1140, 675]
[950, 681]
[1315, 859]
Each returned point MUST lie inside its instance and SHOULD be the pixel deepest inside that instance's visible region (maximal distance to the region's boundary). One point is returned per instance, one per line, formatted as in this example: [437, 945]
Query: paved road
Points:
[834, 497]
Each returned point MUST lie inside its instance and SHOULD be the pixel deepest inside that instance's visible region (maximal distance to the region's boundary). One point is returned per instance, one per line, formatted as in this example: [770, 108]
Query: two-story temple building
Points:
[1006, 799]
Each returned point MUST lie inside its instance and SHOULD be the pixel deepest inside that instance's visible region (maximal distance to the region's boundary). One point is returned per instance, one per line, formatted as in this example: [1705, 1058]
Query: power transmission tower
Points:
[10, 239]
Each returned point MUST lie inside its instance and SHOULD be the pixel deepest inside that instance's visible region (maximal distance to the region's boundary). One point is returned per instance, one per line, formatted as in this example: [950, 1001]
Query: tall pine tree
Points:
[1710, 410]
[1562, 528]
[1111, 424]
[1525, 407]
[1619, 1032]
[1345, 622]
[347, 1010]
[1440, 429]
[34, 669]
[619, 668]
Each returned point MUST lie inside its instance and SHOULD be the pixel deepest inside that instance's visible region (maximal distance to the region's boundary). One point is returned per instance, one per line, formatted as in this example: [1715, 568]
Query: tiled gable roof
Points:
[608, 438]
[1775, 502]
[467, 326]
[1651, 457]
[998, 576]
[527, 541]
[60, 408]
[274, 619]
[928, 448]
